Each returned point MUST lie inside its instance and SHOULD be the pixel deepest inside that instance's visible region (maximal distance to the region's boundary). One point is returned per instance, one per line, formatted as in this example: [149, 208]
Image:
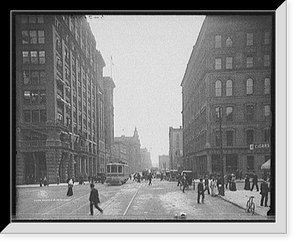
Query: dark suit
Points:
[200, 192]
[254, 182]
[94, 200]
[264, 191]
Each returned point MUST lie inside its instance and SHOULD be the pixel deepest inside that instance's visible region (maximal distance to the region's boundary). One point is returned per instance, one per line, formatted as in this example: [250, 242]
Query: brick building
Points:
[60, 99]
[175, 148]
[228, 83]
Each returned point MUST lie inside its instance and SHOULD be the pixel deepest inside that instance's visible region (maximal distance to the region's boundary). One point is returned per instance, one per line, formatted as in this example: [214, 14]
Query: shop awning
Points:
[266, 165]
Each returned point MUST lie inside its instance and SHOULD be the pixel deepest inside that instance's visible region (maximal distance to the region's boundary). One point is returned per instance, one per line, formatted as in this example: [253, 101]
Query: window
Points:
[249, 113]
[34, 97]
[267, 38]
[119, 169]
[42, 97]
[33, 37]
[41, 37]
[249, 86]
[266, 60]
[229, 113]
[218, 63]
[229, 61]
[27, 116]
[267, 110]
[218, 138]
[25, 37]
[24, 19]
[26, 76]
[34, 57]
[35, 116]
[35, 75]
[267, 86]
[218, 112]
[267, 135]
[25, 56]
[40, 19]
[250, 163]
[249, 137]
[43, 116]
[26, 97]
[229, 88]
[229, 137]
[249, 39]
[249, 62]
[228, 42]
[42, 57]
[32, 19]
[218, 88]
[42, 76]
[218, 41]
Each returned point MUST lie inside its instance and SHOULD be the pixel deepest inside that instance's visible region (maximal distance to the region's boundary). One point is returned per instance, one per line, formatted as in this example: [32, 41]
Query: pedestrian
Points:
[94, 200]
[184, 183]
[200, 192]
[213, 187]
[206, 183]
[219, 184]
[70, 187]
[247, 182]
[150, 178]
[41, 182]
[254, 182]
[232, 185]
[57, 179]
[228, 182]
[178, 179]
[264, 191]
[45, 181]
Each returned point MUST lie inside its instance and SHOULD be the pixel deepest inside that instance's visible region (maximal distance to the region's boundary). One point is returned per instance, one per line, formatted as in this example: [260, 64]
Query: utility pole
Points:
[221, 152]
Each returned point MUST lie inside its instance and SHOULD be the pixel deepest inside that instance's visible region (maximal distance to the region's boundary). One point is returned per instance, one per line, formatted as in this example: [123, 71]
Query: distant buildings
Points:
[146, 162]
[228, 83]
[163, 162]
[175, 148]
[64, 109]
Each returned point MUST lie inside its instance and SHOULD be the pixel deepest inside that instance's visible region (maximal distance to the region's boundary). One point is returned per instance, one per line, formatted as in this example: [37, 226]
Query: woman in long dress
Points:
[70, 188]
[232, 185]
[213, 187]
[247, 183]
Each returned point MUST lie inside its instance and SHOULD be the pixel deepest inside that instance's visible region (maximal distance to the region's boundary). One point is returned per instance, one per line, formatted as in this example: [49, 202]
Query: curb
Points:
[237, 205]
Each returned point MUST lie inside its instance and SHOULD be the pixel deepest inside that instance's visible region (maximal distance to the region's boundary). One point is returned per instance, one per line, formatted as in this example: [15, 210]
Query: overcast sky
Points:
[149, 55]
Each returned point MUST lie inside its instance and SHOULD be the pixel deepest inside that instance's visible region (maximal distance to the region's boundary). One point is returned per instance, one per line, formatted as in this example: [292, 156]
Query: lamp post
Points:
[221, 152]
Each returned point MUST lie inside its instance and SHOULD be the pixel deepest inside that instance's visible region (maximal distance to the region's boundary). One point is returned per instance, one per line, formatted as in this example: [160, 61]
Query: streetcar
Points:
[117, 173]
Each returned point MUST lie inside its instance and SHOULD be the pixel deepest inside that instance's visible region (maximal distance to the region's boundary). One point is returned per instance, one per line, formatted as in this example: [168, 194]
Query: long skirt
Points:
[70, 191]
[247, 186]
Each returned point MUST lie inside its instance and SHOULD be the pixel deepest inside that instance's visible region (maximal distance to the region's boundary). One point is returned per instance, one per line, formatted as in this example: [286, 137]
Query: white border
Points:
[280, 226]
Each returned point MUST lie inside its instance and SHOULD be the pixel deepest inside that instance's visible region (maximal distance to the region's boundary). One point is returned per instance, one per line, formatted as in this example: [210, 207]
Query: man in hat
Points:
[94, 200]
[264, 191]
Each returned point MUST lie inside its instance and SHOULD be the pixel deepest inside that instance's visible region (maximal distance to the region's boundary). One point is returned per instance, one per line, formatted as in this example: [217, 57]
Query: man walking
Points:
[94, 200]
[150, 178]
[254, 182]
[264, 190]
[206, 183]
[200, 192]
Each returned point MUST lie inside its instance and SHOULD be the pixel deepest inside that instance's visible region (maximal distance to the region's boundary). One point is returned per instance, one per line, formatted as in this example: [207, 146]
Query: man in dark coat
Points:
[264, 191]
[200, 191]
[254, 182]
[94, 199]
[206, 183]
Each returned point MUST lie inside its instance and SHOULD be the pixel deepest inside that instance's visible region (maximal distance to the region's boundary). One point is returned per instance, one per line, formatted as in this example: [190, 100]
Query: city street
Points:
[132, 201]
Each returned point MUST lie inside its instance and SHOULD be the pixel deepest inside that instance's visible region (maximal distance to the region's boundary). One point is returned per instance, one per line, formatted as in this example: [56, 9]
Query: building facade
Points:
[60, 99]
[132, 154]
[146, 162]
[226, 95]
[175, 148]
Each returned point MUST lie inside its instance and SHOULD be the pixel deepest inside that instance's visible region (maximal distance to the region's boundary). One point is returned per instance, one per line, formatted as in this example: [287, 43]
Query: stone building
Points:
[164, 162]
[60, 98]
[175, 148]
[226, 95]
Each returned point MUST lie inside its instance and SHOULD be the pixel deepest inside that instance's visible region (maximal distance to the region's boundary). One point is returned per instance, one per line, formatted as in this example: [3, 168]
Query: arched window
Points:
[218, 88]
[228, 42]
[249, 86]
[267, 86]
[229, 88]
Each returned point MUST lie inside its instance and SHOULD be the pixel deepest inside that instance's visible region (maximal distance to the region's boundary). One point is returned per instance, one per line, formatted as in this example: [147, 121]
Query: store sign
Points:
[259, 146]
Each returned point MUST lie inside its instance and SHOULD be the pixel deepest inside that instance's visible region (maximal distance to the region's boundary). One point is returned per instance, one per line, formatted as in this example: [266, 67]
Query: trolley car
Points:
[117, 173]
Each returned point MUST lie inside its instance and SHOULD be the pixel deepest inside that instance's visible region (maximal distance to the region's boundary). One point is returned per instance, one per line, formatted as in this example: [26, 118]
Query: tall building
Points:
[145, 159]
[60, 99]
[226, 95]
[133, 150]
[175, 148]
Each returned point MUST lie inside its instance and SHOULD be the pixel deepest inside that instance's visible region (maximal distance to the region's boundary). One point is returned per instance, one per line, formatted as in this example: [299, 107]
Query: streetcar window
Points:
[108, 169]
[119, 169]
[113, 169]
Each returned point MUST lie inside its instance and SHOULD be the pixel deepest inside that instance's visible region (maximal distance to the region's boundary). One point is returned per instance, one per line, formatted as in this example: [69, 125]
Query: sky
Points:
[146, 57]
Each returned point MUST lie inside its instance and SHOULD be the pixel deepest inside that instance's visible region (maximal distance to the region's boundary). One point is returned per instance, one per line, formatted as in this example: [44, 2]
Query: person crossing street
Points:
[94, 200]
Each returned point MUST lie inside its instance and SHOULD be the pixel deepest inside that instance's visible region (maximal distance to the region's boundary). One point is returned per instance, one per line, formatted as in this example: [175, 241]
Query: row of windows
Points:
[34, 97]
[35, 116]
[249, 40]
[32, 19]
[33, 57]
[249, 62]
[33, 37]
[33, 76]
[249, 87]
